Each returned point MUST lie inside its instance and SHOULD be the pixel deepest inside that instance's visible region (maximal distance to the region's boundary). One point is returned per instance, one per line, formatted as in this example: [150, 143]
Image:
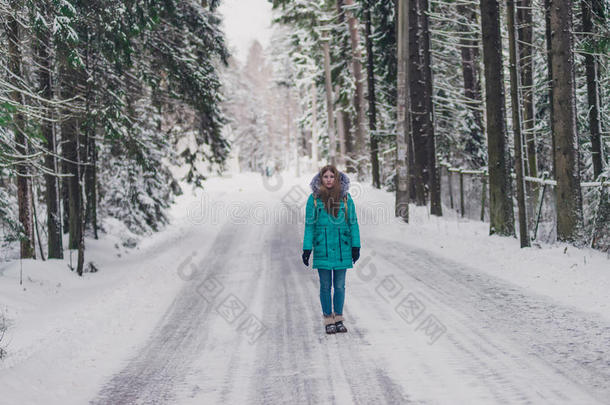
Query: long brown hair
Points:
[331, 197]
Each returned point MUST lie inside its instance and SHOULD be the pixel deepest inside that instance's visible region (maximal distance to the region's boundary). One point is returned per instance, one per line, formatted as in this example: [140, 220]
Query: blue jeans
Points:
[338, 282]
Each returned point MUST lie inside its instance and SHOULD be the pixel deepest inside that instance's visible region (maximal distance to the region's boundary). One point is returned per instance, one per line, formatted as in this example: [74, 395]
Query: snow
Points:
[255, 14]
[575, 277]
[74, 339]
[82, 326]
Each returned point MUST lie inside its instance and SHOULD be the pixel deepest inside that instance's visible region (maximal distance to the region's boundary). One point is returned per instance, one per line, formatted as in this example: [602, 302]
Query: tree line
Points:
[390, 88]
[97, 100]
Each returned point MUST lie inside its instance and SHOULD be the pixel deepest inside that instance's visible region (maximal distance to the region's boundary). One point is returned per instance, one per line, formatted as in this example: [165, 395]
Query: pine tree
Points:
[565, 135]
[15, 61]
[515, 86]
[402, 108]
[500, 190]
[593, 11]
[43, 46]
[524, 24]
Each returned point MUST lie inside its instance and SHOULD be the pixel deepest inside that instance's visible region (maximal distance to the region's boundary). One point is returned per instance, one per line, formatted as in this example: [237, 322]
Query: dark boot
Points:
[329, 323]
[339, 324]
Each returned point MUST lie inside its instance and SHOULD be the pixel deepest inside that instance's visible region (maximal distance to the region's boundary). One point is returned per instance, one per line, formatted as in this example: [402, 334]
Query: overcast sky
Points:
[244, 21]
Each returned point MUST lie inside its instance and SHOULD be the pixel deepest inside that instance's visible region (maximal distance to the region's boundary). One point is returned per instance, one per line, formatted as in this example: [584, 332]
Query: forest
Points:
[98, 99]
[496, 109]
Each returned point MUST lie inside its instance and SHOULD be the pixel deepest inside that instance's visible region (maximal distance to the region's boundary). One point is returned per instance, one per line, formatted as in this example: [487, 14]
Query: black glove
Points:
[355, 253]
[305, 256]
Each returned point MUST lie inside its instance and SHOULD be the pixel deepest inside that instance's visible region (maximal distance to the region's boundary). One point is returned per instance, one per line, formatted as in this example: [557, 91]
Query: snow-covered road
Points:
[227, 313]
[246, 328]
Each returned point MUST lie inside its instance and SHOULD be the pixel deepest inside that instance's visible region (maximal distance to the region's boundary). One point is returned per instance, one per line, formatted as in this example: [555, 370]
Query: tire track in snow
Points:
[290, 368]
[493, 309]
[240, 364]
[346, 369]
[152, 375]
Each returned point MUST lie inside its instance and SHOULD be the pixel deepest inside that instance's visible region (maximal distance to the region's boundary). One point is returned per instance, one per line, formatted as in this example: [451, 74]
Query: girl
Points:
[331, 230]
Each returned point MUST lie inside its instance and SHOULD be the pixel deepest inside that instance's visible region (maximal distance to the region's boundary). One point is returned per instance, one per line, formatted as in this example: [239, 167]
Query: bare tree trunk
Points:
[314, 126]
[419, 107]
[402, 119]
[500, 191]
[548, 30]
[352, 22]
[524, 25]
[371, 96]
[341, 131]
[34, 199]
[593, 9]
[347, 129]
[89, 150]
[567, 173]
[64, 185]
[526, 62]
[91, 181]
[344, 118]
[411, 157]
[24, 194]
[70, 132]
[81, 223]
[471, 72]
[432, 175]
[332, 142]
[45, 87]
[516, 109]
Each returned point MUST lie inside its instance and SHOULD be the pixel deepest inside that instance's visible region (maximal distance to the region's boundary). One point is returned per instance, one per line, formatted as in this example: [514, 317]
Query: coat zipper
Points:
[326, 241]
[339, 237]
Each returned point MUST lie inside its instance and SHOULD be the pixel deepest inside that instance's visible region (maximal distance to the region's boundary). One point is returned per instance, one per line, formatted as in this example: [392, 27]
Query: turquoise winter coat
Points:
[330, 238]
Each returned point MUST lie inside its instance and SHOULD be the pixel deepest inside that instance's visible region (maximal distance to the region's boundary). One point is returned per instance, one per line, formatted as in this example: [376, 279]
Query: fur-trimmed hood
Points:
[315, 184]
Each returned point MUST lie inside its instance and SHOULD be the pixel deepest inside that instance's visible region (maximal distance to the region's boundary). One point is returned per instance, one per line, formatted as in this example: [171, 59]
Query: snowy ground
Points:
[219, 308]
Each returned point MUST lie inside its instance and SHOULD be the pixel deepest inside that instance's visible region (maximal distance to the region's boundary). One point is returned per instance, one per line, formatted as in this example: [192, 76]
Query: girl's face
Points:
[328, 179]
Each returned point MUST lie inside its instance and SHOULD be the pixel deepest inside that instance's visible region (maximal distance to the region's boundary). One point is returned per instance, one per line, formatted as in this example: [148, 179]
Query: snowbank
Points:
[82, 329]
